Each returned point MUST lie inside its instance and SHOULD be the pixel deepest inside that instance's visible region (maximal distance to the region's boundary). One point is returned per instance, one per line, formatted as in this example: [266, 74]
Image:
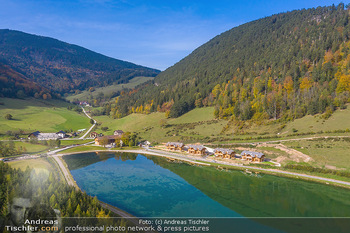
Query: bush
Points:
[8, 117]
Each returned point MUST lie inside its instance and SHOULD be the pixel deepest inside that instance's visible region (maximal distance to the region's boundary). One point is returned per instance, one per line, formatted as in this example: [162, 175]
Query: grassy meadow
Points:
[31, 148]
[37, 164]
[43, 115]
[40, 165]
[192, 126]
[333, 153]
[108, 90]
[339, 120]
[72, 142]
[200, 124]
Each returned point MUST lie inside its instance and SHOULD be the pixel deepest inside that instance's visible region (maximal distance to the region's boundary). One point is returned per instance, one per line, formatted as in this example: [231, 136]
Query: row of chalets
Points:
[218, 152]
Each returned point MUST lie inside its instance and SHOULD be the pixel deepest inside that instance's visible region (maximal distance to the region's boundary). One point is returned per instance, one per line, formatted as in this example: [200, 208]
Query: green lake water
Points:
[153, 187]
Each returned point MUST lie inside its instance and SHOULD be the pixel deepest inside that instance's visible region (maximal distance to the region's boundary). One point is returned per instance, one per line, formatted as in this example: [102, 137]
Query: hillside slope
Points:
[61, 66]
[14, 84]
[273, 67]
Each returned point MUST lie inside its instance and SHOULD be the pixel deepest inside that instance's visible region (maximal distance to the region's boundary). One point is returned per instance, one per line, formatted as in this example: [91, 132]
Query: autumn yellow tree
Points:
[288, 84]
[343, 84]
[306, 83]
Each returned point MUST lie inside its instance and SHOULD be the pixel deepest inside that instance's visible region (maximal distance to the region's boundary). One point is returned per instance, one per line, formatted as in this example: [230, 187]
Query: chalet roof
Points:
[176, 144]
[61, 132]
[252, 153]
[223, 150]
[118, 131]
[196, 147]
[36, 133]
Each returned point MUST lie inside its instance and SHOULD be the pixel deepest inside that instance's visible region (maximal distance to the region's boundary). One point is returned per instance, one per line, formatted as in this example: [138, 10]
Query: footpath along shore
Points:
[211, 162]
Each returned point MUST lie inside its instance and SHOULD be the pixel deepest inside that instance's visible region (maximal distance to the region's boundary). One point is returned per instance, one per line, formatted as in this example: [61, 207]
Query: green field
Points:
[199, 124]
[72, 142]
[110, 89]
[46, 116]
[82, 149]
[41, 164]
[330, 153]
[31, 148]
[192, 126]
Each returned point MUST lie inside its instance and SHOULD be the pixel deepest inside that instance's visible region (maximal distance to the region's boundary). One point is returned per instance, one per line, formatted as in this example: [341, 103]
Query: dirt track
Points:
[295, 155]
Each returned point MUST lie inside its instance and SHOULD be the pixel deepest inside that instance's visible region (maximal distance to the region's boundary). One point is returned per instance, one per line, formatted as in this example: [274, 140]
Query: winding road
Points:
[87, 132]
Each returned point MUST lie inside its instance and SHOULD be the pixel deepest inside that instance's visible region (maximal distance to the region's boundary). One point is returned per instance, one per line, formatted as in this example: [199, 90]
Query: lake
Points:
[150, 186]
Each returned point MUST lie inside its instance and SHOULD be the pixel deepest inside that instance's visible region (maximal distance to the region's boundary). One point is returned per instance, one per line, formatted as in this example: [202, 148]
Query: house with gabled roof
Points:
[252, 156]
[47, 136]
[61, 134]
[224, 153]
[118, 132]
[93, 135]
[175, 146]
[196, 149]
[108, 139]
[34, 135]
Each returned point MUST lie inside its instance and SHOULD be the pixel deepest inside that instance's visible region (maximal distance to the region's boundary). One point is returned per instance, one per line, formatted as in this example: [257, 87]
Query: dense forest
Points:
[14, 84]
[284, 66]
[63, 67]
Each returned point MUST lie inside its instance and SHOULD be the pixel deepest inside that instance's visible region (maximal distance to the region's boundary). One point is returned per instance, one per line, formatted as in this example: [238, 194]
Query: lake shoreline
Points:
[70, 181]
[204, 162]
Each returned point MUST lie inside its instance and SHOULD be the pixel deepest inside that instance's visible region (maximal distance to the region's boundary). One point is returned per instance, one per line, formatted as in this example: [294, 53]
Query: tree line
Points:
[284, 66]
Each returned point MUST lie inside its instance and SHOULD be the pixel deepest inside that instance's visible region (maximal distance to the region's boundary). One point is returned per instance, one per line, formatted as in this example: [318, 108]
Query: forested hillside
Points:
[14, 84]
[63, 67]
[284, 66]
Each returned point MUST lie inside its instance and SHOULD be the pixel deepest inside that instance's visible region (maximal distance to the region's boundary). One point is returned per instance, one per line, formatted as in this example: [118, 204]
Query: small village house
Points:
[47, 136]
[118, 132]
[106, 140]
[175, 146]
[93, 135]
[253, 156]
[224, 153]
[61, 134]
[196, 149]
[34, 135]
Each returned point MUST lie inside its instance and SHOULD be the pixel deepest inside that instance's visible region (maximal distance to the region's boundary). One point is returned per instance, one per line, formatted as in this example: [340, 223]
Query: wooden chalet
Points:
[224, 153]
[252, 156]
[175, 146]
[105, 140]
[196, 150]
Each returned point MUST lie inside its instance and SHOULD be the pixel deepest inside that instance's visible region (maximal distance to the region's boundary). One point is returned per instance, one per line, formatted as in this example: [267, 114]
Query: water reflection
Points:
[151, 186]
